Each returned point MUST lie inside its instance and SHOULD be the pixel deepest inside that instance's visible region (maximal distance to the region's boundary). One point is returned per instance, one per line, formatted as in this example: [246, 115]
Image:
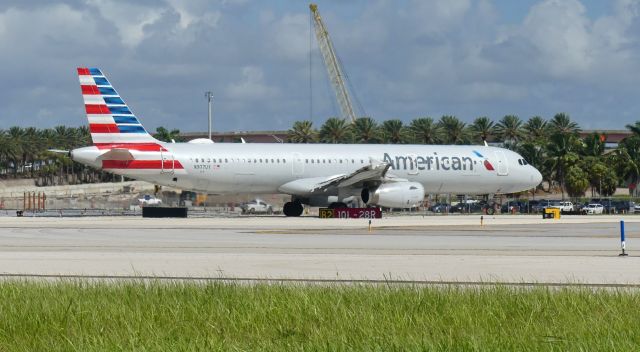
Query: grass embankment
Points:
[81, 316]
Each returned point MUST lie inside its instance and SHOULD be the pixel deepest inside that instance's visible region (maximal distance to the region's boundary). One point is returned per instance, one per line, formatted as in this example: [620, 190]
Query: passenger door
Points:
[503, 166]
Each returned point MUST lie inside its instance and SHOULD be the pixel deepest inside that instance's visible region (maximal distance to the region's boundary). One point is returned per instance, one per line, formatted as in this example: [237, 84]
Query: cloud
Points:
[251, 87]
[404, 58]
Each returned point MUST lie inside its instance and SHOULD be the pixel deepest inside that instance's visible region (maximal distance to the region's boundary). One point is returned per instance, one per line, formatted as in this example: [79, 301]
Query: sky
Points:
[404, 59]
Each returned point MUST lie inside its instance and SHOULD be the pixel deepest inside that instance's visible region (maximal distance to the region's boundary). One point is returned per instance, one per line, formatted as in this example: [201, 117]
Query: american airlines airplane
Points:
[394, 176]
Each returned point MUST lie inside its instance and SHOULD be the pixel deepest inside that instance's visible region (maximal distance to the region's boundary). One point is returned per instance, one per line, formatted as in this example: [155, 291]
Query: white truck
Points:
[256, 206]
[148, 199]
[563, 206]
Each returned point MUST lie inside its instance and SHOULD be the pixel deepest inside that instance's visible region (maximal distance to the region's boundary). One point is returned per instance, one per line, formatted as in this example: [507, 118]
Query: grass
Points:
[90, 316]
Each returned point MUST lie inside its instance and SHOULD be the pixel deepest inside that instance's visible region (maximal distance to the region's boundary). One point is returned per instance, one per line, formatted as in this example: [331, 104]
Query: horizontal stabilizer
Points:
[117, 154]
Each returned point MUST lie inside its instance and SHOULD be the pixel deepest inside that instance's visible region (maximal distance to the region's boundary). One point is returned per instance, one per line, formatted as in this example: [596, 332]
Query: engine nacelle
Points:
[395, 195]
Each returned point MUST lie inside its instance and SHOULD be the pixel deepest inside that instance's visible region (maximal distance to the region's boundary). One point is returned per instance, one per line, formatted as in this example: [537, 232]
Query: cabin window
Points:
[272, 161]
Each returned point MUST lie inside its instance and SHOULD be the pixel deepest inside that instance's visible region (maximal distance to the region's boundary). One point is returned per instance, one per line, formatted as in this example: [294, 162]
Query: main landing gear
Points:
[293, 208]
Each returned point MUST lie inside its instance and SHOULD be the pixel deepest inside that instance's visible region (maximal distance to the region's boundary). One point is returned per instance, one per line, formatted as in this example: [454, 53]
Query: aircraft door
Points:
[167, 163]
[503, 165]
[297, 165]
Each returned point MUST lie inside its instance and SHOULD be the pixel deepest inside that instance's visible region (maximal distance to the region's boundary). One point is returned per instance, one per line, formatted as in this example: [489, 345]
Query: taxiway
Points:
[510, 249]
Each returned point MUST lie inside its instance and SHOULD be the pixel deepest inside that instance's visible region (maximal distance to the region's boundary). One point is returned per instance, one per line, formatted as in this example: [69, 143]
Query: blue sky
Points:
[405, 59]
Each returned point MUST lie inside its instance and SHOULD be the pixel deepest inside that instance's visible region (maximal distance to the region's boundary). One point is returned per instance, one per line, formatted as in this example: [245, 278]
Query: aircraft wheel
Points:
[292, 208]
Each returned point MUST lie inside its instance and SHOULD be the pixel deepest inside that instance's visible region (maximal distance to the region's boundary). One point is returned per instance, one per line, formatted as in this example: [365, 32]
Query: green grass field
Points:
[86, 316]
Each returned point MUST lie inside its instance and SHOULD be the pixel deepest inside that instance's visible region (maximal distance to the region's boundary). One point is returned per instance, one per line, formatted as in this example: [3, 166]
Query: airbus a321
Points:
[394, 176]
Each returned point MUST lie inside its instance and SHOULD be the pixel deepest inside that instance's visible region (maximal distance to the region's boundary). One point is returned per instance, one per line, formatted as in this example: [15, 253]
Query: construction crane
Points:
[332, 64]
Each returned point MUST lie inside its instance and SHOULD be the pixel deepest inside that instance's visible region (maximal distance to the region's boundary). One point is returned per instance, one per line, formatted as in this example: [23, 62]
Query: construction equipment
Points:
[332, 64]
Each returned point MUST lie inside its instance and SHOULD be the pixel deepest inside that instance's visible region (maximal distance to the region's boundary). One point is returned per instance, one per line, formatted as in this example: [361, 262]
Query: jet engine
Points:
[395, 195]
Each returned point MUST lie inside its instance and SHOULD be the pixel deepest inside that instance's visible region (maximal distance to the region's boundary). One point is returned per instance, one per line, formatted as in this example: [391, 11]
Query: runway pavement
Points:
[516, 249]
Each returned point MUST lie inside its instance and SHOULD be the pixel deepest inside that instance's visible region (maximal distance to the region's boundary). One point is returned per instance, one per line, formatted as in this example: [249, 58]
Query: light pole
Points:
[209, 96]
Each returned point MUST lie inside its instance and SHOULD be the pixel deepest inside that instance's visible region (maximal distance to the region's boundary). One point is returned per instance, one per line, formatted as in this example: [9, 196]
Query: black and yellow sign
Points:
[326, 213]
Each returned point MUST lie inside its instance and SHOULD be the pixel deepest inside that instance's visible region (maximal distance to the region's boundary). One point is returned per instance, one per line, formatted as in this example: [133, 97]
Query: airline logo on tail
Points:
[117, 131]
[110, 119]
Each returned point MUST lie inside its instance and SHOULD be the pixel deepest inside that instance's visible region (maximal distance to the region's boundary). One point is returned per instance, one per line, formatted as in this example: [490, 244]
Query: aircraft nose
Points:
[536, 177]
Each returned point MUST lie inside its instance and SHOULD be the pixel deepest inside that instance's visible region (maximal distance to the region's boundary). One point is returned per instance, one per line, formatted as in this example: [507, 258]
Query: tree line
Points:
[567, 162]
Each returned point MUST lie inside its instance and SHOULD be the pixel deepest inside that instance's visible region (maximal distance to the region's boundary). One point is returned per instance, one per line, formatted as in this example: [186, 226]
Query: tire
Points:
[252, 211]
[292, 209]
[337, 205]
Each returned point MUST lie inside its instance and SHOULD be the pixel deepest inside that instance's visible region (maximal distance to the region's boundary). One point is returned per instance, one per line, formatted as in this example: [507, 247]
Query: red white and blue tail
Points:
[110, 119]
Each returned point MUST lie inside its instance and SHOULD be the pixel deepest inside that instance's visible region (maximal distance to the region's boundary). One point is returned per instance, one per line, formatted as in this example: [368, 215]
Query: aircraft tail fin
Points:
[110, 119]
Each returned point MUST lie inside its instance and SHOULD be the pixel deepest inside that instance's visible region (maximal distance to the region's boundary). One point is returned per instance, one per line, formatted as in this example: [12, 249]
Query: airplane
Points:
[387, 175]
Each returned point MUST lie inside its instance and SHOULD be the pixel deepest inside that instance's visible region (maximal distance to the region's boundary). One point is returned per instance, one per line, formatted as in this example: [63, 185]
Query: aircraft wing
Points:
[374, 172]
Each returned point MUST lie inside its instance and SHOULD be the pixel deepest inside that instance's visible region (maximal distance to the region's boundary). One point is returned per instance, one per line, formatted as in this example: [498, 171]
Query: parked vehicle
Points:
[467, 208]
[517, 206]
[593, 209]
[256, 206]
[440, 208]
[539, 205]
[563, 206]
[148, 199]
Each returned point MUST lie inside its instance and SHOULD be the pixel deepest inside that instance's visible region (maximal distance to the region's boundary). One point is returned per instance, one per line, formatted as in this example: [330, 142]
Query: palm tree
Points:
[626, 161]
[394, 132]
[536, 129]
[561, 123]
[453, 130]
[63, 137]
[481, 129]
[8, 150]
[635, 128]
[366, 130]
[594, 145]
[83, 137]
[563, 153]
[425, 130]
[508, 129]
[302, 132]
[16, 135]
[335, 130]
[163, 134]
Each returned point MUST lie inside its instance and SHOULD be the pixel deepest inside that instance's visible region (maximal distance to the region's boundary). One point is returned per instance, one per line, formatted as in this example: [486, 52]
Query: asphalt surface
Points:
[510, 249]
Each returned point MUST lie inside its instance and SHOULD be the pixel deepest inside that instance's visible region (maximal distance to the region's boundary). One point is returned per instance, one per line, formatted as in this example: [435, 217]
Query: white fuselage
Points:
[234, 168]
